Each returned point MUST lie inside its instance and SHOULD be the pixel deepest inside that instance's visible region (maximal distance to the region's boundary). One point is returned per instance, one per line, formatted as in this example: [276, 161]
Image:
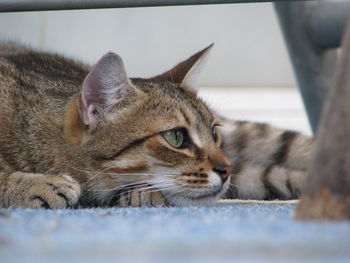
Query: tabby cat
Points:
[72, 136]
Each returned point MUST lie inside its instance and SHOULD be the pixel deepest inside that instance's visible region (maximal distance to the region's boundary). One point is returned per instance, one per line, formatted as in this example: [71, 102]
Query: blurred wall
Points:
[249, 49]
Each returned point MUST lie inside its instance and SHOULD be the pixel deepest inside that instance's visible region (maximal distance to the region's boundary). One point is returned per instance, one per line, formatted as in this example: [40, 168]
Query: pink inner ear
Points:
[83, 110]
[178, 73]
[92, 88]
[102, 87]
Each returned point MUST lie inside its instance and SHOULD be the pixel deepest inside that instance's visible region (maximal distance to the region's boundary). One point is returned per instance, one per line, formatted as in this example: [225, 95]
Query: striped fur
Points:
[72, 136]
[270, 163]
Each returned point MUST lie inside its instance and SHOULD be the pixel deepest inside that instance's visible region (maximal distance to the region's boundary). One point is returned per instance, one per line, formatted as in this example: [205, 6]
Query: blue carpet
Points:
[226, 233]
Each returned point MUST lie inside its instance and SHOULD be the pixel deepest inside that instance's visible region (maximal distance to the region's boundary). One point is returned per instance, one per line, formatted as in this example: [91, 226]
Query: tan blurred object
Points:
[327, 192]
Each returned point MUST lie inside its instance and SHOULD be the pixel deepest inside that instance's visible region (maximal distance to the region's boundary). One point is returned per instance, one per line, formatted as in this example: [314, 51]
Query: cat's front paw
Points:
[54, 192]
[139, 197]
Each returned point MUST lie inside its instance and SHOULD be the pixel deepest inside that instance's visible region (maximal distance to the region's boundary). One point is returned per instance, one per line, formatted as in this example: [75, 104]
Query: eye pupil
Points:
[215, 136]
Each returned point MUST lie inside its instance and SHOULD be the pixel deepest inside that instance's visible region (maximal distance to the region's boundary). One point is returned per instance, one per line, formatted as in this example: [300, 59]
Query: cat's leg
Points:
[266, 144]
[28, 190]
[251, 181]
[268, 162]
[141, 196]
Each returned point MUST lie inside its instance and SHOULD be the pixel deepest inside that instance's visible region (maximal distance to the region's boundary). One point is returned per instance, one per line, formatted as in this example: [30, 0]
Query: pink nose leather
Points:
[224, 171]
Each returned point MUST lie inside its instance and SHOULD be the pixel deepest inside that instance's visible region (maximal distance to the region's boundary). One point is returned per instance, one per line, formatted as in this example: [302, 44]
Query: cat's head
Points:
[155, 132]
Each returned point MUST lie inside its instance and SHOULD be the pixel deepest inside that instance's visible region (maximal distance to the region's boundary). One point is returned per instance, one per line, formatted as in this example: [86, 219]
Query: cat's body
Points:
[70, 134]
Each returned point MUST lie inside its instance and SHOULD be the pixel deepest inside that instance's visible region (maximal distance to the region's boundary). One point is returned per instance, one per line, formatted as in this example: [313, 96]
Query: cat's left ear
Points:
[186, 72]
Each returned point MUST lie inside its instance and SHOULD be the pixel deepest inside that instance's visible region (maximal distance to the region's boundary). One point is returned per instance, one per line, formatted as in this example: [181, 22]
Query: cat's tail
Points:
[269, 163]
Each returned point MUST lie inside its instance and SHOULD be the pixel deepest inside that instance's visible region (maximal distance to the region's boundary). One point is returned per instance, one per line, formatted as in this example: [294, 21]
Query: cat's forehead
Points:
[185, 101]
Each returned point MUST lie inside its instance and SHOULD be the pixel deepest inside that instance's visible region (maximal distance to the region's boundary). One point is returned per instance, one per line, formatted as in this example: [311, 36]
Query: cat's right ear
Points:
[106, 87]
[186, 72]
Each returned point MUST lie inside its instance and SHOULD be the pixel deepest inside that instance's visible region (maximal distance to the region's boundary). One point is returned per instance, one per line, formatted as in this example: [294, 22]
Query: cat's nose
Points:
[223, 170]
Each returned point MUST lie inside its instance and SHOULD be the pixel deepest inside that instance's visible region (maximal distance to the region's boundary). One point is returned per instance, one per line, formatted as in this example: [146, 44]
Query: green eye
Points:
[174, 137]
[214, 134]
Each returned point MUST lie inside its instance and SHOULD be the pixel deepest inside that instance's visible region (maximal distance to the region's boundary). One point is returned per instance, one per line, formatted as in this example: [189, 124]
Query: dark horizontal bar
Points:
[46, 5]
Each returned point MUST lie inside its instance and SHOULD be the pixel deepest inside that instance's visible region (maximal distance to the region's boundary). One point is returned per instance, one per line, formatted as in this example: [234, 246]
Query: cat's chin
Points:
[209, 199]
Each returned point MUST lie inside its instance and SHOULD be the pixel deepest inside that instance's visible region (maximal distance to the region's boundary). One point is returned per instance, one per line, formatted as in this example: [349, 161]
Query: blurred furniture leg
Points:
[327, 192]
[312, 32]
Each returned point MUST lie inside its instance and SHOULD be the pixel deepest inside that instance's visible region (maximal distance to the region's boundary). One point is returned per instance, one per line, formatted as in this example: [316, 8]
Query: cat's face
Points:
[161, 135]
